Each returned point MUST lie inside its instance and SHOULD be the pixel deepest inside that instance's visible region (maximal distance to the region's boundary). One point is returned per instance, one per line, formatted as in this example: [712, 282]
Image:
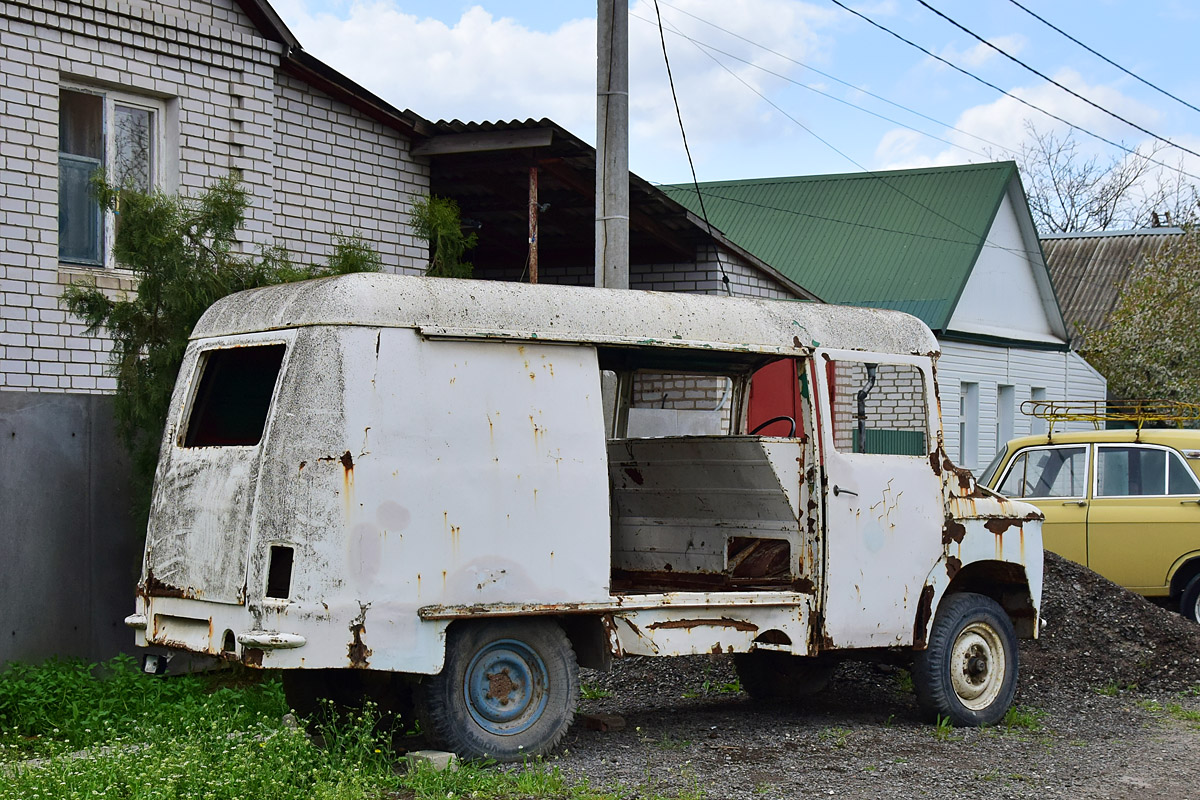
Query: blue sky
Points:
[774, 113]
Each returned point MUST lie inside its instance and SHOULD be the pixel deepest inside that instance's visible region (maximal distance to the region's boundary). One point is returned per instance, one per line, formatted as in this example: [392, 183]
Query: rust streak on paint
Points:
[953, 531]
[688, 624]
[924, 612]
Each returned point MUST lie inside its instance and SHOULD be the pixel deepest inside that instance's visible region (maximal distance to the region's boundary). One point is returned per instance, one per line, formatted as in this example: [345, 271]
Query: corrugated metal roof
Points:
[904, 240]
[1089, 269]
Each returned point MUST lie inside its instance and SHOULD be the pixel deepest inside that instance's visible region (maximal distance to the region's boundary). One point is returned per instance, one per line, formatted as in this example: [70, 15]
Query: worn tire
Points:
[1189, 601]
[771, 675]
[507, 691]
[968, 672]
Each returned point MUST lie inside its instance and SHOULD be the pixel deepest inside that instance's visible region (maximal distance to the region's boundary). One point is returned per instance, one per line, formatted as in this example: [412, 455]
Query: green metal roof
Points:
[904, 240]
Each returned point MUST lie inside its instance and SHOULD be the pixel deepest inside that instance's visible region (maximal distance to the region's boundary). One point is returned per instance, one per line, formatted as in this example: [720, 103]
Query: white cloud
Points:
[980, 54]
[1002, 123]
[487, 68]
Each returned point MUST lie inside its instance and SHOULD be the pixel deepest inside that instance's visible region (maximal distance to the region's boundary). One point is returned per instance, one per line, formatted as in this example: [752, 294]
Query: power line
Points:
[1048, 79]
[867, 173]
[974, 242]
[1101, 56]
[679, 115]
[833, 78]
[1006, 93]
[793, 81]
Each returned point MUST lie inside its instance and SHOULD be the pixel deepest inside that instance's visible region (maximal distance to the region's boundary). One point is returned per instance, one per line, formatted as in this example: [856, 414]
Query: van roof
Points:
[497, 309]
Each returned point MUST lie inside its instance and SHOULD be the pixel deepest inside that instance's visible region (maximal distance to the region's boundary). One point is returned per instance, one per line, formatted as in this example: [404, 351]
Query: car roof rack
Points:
[1098, 412]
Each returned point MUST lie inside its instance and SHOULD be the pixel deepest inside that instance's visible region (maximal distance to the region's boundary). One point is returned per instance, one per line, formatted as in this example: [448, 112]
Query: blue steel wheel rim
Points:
[505, 686]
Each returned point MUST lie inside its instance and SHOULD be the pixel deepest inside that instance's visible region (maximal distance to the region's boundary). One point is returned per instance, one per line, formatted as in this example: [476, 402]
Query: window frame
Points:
[110, 99]
[1171, 453]
[1088, 480]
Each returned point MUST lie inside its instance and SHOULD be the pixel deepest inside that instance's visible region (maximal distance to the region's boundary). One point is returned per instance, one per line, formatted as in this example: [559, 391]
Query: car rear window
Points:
[233, 398]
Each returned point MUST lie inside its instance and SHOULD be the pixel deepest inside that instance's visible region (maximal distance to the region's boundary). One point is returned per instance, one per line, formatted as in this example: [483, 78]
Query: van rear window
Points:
[234, 396]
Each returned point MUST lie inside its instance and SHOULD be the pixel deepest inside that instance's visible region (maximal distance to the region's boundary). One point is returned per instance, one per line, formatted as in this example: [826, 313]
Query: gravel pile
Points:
[1100, 635]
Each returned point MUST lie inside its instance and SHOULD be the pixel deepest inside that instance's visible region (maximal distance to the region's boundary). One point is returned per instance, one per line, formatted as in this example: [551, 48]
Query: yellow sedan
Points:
[1124, 503]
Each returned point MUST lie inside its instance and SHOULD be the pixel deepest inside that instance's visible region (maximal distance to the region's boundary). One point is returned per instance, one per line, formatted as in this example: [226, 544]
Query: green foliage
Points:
[589, 691]
[183, 253]
[1149, 349]
[439, 222]
[1024, 718]
[943, 731]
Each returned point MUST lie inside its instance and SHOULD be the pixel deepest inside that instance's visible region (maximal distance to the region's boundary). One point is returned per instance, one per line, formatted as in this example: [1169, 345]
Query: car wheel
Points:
[968, 672]
[1189, 601]
[770, 675]
[507, 691]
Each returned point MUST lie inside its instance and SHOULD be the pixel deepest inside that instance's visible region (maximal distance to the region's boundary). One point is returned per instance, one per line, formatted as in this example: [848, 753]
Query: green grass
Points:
[943, 731]
[1023, 718]
[70, 730]
[590, 691]
[712, 688]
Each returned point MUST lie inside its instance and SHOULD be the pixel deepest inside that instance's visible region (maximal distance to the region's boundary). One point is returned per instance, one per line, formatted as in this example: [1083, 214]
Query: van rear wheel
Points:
[968, 672]
[508, 689]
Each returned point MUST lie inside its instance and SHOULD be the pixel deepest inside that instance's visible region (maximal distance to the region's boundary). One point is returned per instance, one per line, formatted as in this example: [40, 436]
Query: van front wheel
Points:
[968, 673]
[507, 691]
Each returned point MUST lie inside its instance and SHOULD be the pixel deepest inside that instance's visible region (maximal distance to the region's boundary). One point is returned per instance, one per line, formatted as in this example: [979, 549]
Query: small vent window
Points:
[234, 396]
[279, 572]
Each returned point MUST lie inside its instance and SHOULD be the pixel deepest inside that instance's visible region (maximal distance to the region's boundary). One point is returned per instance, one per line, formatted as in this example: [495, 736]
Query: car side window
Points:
[1180, 478]
[1047, 472]
[1132, 471]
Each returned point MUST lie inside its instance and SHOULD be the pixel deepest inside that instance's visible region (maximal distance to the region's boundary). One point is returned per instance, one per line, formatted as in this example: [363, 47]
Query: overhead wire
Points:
[683, 133]
[1101, 56]
[802, 85]
[882, 178]
[833, 78]
[1052, 81]
[1019, 99]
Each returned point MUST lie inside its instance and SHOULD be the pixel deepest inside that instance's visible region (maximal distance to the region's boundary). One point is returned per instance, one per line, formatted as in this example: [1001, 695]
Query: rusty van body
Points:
[475, 486]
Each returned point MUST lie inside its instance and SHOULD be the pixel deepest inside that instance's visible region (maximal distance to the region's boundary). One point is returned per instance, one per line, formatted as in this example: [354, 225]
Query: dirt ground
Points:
[1108, 706]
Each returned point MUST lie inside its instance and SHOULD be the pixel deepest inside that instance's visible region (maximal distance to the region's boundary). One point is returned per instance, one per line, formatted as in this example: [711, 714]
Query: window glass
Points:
[81, 153]
[1047, 472]
[1131, 471]
[133, 148]
[1180, 478]
[234, 396]
[894, 418]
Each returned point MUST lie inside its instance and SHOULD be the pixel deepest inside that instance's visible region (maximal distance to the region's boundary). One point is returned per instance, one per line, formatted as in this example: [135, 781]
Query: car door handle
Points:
[1075, 503]
[1189, 502]
[839, 490]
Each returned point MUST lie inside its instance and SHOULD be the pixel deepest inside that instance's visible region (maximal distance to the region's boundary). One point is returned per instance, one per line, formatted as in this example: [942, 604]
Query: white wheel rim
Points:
[977, 666]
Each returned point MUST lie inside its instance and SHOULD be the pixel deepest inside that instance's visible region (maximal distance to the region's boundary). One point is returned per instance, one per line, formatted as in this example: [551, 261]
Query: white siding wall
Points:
[1063, 375]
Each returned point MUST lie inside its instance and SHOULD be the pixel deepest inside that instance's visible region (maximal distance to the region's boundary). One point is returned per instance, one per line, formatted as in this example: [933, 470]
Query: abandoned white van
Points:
[476, 486]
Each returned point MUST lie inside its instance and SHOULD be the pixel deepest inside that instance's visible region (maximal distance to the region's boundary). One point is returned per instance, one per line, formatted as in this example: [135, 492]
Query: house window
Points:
[110, 131]
[1037, 424]
[968, 424]
[1005, 410]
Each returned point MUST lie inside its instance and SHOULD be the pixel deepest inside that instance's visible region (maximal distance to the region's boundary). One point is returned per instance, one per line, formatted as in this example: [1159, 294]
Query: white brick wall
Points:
[217, 80]
[338, 172]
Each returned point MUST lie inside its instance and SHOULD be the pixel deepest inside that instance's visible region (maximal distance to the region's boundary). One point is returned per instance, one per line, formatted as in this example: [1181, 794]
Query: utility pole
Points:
[612, 144]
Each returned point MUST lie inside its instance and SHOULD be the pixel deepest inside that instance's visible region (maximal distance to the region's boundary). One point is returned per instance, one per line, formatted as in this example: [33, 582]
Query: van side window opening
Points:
[679, 404]
[878, 408]
[234, 396]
